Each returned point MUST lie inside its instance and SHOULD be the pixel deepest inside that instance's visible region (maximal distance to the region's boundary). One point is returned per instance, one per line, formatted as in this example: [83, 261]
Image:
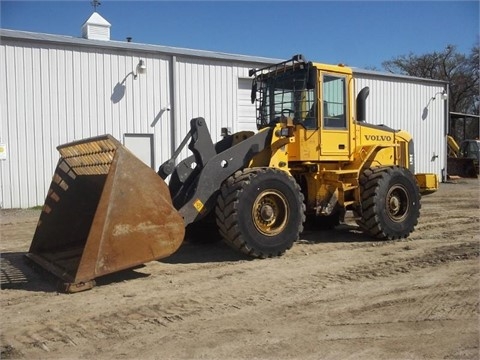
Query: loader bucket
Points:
[105, 211]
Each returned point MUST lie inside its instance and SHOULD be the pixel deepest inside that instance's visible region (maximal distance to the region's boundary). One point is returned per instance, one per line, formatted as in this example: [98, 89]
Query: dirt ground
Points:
[334, 295]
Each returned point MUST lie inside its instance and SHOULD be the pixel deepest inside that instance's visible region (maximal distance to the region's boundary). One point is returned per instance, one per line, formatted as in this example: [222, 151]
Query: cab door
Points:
[334, 116]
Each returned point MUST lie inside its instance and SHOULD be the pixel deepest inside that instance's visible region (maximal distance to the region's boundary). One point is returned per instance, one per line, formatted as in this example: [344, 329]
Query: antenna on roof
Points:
[95, 4]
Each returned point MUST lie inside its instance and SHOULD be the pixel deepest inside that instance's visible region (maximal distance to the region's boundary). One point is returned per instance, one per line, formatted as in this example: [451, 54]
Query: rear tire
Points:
[260, 212]
[390, 202]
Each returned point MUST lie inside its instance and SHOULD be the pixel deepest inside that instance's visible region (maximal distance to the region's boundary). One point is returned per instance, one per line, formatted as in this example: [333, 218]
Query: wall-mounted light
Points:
[443, 95]
[141, 68]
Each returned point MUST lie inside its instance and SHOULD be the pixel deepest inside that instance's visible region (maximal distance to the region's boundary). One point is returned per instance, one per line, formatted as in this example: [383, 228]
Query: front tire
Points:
[260, 212]
[390, 202]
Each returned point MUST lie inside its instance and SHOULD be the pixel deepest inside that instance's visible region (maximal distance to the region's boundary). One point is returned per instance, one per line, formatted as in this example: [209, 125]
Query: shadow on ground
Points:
[343, 233]
[204, 252]
[214, 250]
[18, 272]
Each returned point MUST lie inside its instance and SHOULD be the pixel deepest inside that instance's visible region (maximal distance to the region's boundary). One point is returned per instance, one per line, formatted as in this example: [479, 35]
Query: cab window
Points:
[307, 109]
[334, 104]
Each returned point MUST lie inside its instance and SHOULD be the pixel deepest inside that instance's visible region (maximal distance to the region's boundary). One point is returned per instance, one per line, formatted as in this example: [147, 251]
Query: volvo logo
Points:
[378, 137]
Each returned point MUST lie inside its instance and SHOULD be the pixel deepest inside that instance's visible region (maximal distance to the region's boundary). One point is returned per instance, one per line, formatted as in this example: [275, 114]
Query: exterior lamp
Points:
[443, 95]
[141, 68]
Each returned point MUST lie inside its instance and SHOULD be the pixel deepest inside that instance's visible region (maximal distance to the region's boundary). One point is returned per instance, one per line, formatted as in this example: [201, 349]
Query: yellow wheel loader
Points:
[313, 158]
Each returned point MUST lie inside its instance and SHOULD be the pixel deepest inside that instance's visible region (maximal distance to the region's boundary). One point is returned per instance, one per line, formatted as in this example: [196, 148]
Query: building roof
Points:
[385, 75]
[124, 45]
[177, 51]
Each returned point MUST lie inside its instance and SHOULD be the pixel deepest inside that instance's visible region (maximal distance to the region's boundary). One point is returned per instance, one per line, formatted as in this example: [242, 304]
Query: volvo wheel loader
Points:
[313, 158]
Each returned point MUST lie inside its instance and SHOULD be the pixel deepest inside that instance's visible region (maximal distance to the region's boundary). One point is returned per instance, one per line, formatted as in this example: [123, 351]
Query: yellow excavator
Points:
[313, 158]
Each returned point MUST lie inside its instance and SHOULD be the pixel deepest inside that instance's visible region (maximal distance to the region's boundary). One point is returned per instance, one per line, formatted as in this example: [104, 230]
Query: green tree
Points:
[461, 72]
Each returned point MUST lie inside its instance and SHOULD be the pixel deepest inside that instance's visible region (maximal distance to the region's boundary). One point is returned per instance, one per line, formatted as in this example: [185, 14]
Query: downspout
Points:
[446, 128]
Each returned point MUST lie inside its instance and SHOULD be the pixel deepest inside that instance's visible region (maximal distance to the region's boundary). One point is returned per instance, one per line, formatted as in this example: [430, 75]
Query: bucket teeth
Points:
[90, 158]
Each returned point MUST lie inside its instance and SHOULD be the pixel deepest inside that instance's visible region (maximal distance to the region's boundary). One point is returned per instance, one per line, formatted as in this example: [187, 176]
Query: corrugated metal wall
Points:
[56, 93]
[208, 89]
[406, 104]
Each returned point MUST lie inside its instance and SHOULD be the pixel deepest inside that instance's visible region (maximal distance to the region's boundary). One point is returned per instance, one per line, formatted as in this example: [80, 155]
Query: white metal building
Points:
[411, 104]
[56, 89]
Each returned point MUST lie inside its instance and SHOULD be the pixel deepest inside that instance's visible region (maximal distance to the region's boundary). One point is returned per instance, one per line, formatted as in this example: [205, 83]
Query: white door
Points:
[141, 145]
[246, 110]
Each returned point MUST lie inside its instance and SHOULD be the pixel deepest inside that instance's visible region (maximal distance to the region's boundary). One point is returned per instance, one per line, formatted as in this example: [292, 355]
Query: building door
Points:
[141, 145]
[246, 110]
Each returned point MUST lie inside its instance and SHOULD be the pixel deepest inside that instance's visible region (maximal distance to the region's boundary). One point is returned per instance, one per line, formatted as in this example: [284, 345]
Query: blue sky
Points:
[356, 33]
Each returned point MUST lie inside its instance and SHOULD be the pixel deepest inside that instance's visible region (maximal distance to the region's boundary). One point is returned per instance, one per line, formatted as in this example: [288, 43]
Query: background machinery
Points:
[463, 159]
[313, 158]
[470, 149]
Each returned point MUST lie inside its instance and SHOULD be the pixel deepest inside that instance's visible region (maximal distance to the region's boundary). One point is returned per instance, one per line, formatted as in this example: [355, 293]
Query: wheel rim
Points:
[398, 203]
[270, 212]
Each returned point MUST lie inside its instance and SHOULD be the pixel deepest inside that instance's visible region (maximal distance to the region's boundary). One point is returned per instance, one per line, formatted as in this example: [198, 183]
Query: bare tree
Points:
[461, 72]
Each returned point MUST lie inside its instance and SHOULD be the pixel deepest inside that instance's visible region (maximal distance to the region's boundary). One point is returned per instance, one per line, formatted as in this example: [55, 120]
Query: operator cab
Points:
[315, 97]
[288, 92]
